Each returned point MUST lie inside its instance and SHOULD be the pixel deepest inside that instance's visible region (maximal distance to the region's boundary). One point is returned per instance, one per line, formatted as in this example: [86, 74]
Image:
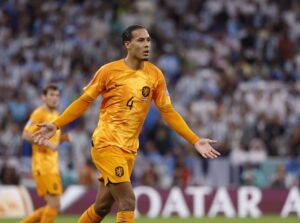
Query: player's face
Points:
[140, 44]
[51, 99]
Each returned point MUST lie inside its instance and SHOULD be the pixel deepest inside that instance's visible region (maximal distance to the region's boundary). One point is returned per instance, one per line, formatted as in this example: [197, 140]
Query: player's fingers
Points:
[208, 156]
[211, 155]
[44, 142]
[39, 141]
[37, 133]
[42, 125]
[216, 152]
[36, 137]
[204, 155]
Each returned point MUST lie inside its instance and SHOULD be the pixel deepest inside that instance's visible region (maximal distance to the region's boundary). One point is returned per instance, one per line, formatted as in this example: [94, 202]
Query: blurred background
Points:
[232, 69]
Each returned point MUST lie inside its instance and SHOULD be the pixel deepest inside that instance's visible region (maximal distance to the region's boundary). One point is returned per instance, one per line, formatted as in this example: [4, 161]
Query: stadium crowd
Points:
[232, 68]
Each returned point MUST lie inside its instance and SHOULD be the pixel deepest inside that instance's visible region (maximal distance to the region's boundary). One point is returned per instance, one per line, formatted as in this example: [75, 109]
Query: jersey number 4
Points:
[130, 103]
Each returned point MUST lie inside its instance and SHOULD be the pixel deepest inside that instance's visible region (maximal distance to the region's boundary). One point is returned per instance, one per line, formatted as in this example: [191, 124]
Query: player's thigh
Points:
[104, 199]
[121, 191]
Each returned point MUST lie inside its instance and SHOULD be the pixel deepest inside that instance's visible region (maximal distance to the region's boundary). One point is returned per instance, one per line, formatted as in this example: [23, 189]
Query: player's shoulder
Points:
[154, 69]
[111, 65]
[39, 111]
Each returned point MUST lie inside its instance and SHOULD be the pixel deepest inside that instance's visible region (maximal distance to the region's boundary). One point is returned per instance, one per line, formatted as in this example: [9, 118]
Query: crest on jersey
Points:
[145, 91]
[119, 171]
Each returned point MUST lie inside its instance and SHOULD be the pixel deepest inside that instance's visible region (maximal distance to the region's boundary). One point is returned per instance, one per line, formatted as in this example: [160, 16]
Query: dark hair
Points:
[127, 33]
[49, 87]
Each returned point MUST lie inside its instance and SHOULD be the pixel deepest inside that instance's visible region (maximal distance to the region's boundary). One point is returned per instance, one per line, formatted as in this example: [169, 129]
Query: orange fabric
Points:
[77, 108]
[44, 159]
[114, 164]
[125, 217]
[177, 123]
[90, 216]
[126, 99]
[48, 184]
[34, 217]
[49, 215]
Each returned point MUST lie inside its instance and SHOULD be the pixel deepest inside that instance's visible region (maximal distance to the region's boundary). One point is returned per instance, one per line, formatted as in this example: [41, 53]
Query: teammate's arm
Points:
[75, 110]
[31, 126]
[28, 137]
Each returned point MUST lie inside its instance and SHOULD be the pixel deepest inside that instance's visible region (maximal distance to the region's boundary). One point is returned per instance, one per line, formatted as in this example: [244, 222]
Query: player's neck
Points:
[134, 63]
[49, 109]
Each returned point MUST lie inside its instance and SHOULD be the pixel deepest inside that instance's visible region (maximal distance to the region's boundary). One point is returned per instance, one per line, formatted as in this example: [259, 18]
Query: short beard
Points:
[52, 107]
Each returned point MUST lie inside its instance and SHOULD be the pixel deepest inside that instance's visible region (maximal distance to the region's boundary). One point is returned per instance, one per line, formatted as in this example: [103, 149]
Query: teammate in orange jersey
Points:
[127, 87]
[45, 158]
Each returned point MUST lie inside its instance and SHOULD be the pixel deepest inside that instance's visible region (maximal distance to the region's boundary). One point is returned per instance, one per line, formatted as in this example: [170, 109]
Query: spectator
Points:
[279, 179]
[87, 174]
[182, 174]
[151, 176]
[9, 173]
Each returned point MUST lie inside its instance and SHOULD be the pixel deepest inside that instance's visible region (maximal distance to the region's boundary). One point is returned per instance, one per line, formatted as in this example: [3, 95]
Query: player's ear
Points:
[127, 44]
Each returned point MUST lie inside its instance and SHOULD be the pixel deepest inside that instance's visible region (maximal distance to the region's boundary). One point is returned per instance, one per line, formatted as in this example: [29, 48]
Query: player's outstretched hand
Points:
[205, 149]
[45, 132]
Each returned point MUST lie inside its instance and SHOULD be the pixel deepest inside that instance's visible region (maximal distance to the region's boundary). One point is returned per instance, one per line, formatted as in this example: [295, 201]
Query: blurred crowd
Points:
[232, 68]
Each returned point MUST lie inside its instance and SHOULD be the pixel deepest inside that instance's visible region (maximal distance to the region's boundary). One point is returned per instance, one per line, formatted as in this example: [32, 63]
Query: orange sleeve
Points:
[97, 84]
[170, 115]
[75, 110]
[79, 106]
[176, 122]
[161, 95]
[35, 118]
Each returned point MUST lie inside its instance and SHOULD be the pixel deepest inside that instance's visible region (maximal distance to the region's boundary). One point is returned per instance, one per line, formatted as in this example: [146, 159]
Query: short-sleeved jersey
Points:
[44, 159]
[126, 98]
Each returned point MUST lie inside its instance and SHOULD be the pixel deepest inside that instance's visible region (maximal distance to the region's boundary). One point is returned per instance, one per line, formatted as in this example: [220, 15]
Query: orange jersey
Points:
[126, 98]
[44, 159]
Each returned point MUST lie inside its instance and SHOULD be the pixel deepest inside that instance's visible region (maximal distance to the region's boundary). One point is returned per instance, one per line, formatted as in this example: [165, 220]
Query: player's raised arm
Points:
[28, 136]
[177, 123]
[73, 111]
